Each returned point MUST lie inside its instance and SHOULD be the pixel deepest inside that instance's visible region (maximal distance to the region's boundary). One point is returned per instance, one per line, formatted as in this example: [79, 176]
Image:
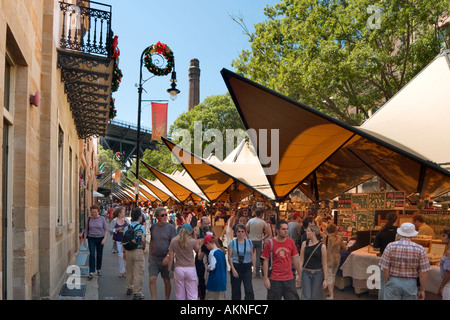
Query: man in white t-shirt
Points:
[258, 230]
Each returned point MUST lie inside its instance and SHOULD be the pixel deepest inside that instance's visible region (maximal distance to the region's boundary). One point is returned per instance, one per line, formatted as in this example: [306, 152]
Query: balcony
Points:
[86, 63]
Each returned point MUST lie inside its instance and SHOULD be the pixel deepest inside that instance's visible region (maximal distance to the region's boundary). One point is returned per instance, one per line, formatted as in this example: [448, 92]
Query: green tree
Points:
[340, 56]
[216, 114]
[110, 163]
[159, 158]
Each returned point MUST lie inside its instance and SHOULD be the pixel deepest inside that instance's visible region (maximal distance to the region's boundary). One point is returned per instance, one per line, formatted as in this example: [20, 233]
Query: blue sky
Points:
[201, 29]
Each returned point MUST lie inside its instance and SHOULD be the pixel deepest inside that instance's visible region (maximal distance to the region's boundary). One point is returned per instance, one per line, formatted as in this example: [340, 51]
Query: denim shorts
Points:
[400, 289]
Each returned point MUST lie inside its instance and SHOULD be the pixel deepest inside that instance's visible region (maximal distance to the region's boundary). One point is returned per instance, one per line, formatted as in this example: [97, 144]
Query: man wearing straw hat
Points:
[402, 262]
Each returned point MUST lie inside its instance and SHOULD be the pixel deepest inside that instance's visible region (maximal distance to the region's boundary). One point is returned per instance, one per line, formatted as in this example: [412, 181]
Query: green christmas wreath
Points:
[116, 76]
[161, 49]
[112, 108]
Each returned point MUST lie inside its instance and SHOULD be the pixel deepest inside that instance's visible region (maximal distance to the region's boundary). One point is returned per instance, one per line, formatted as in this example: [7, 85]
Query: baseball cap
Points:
[186, 226]
[209, 238]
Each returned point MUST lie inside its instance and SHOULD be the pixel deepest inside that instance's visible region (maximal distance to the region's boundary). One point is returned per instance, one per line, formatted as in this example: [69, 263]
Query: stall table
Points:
[357, 266]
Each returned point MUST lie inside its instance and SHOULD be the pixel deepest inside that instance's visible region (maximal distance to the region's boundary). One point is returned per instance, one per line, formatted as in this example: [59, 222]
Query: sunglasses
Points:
[163, 215]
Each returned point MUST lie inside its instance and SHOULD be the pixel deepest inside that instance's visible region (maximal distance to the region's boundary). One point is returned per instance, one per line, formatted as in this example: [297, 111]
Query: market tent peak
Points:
[185, 180]
[210, 180]
[149, 194]
[322, 156]
[130, 193]
[243, 164]
[98, 195]
[176, 187]
[159, 189]
[121, 196]
[238, 180]
[143, 194]
[417, 115]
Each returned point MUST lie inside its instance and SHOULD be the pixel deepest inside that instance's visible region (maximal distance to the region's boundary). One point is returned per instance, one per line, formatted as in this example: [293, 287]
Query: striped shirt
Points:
[405, 259]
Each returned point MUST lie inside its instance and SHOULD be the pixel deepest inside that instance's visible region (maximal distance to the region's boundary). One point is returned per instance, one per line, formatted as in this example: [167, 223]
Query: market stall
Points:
[325, 157]
[159, 189]
[358, 212]
[362, 266]
[183, 187]
[361, 215]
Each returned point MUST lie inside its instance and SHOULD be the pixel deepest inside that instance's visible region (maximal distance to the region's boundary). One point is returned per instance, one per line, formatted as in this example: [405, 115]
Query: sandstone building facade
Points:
[49, 138]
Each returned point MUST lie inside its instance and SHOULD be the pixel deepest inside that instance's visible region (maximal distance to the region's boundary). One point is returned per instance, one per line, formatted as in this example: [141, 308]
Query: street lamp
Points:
[173, 91]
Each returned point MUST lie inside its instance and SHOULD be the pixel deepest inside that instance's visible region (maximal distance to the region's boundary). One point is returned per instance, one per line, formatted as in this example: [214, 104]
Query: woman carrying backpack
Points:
[118, 224]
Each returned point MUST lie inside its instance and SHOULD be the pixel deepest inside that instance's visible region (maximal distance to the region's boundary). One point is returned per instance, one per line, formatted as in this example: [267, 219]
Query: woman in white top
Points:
[116, 227]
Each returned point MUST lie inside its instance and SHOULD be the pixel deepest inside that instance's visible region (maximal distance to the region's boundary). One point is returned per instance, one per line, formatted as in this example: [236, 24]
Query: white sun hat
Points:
[407, 229]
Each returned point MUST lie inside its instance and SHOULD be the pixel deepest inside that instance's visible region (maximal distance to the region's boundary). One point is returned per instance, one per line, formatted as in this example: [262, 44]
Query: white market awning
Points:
[98, 194]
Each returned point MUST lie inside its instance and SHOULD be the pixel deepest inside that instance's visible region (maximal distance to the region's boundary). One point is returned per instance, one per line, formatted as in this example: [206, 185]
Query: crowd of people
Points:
[303, 252]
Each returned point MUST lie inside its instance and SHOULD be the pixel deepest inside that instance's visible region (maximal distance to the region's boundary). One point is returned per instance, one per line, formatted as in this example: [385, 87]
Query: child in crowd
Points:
[217, 267]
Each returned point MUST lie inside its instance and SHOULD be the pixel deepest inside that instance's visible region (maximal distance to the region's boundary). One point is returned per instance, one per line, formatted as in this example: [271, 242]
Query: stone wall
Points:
[41, 248]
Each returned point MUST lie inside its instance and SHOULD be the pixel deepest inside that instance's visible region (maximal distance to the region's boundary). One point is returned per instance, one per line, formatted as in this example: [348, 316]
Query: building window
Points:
[70, 209]
[7, 177]
[60, 176]
[6, 208]
[8, 85]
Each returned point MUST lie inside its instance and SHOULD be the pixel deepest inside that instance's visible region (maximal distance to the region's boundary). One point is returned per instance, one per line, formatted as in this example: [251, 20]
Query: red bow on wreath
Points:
[160, 47]
[116, 51]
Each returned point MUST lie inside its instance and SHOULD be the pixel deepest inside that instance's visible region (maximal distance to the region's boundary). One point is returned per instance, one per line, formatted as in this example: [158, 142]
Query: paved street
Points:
[111, 287]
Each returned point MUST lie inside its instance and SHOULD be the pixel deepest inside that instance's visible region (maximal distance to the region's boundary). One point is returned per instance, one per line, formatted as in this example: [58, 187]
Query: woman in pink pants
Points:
[181, 250]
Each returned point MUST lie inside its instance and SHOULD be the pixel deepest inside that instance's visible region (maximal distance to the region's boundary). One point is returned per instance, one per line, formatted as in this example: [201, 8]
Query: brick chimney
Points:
[194, 84]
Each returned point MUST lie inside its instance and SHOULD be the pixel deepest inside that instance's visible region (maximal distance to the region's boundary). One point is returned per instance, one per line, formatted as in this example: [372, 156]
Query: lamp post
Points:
[173, 91]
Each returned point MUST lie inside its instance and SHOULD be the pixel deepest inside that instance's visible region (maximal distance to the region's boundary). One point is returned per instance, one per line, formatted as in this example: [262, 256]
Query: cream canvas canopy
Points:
[159, 189]
[322, 156]
[177, 185]
[217, 178]
[243, 164]
[149, 194]
[185, 180]
[98, 194]
[121, 196]
[129, 193]
[143, 195]
[417, 116]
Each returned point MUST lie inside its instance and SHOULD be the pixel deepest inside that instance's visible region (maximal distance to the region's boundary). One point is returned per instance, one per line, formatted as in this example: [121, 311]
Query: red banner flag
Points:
[116, 176]
[159, 120]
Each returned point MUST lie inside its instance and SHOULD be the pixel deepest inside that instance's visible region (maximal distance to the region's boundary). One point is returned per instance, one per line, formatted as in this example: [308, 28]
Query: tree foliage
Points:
[216, 114]
[338, 56]
[110, 164]
[160, 159]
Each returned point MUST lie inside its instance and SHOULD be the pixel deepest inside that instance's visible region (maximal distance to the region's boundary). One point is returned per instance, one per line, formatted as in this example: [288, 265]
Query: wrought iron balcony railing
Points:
[86, 27]
[86, 63]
